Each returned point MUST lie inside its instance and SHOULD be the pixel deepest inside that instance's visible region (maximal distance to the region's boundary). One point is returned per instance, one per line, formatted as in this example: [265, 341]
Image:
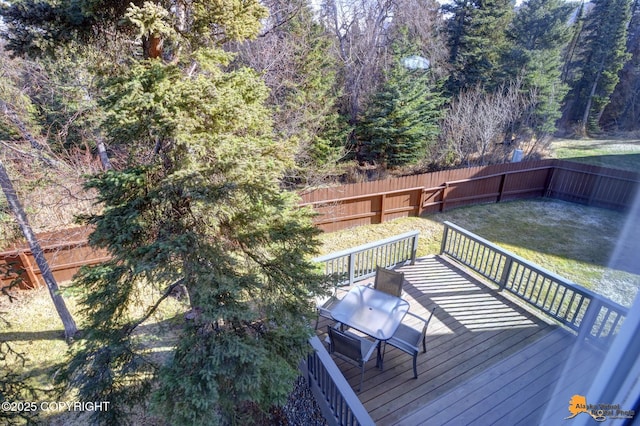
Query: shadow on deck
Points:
[489, 359]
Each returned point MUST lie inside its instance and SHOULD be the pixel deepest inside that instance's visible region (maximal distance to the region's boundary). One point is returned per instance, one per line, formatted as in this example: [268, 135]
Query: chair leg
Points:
[415, 369]
[361, 378]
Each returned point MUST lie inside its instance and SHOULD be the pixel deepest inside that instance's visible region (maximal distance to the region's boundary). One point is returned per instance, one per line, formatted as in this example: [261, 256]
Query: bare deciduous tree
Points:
[360, 28]
[481, 128]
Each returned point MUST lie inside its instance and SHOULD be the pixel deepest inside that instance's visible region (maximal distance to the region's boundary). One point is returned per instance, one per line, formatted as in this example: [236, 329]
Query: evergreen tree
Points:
[197, 207]
[402, 119]
[602, 56]
[539, 33]
[304, 93]
[477, 41]
[623, 112]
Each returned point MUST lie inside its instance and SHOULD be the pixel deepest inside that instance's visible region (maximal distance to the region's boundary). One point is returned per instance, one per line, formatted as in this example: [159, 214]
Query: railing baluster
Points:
[561, 299]
[360, 262]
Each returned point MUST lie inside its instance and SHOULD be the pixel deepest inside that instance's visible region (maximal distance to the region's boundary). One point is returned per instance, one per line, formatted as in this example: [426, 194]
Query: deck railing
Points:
[337, 400]
[588, 314]
[360, 262]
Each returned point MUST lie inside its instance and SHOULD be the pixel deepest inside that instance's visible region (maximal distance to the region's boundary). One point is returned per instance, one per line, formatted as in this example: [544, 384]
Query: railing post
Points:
[352, 268]
[445, 236]
[504, 279]
[414, 250]
[589, 319]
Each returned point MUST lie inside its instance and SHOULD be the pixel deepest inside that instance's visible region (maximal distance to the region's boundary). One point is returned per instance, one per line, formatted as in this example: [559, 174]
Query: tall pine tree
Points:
[296, 59]
[198, 206]
[602, 56]
[539, 33]
[477, 41]
[623, 113]
[402, 119]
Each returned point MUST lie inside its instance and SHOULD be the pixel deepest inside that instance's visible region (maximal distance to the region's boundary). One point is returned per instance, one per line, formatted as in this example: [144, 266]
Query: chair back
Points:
[389, 281]
[345, 345]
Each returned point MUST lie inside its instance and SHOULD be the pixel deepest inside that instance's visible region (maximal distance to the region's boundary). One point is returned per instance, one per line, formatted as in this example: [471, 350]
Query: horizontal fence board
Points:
[364, 203]
[379, 201]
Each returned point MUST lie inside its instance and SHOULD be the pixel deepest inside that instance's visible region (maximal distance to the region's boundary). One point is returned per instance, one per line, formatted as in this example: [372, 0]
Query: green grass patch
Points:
[621, 154]
[571, 240]
[31, 326]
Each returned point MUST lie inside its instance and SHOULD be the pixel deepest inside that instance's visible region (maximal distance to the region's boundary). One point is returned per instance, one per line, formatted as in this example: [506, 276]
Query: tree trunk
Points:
[102, 151]
[69, 324]
[587, 109]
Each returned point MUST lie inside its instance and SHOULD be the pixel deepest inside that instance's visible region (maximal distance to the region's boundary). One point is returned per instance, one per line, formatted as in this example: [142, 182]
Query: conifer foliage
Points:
[596, 66]
[402, 119]
[477, 40]
[538, 35]
[198, 207]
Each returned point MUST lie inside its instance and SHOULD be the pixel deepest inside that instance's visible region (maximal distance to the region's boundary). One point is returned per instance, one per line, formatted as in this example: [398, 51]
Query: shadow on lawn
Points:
[160, 327]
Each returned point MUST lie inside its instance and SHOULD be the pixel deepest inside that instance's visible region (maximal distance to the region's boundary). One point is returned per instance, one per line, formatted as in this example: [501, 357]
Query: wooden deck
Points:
[489, 360]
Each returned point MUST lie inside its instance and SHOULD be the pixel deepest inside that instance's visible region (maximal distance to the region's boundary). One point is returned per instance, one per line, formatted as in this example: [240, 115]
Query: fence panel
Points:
[349, 206]
[65, 251]
[375, 202]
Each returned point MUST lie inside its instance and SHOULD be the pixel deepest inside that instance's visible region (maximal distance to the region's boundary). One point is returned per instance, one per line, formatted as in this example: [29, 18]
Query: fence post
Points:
[420, 202]
[31, 280]
[445, 193]
[548, 189]
[594, 190]
[383, 197]
[503, 180]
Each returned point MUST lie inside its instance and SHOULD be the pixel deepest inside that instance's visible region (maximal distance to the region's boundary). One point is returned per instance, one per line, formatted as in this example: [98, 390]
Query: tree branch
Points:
[131, 327]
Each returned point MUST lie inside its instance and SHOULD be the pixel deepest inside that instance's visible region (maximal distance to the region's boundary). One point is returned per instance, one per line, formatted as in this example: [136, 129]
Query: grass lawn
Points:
[571, 240]
[31, 326]
[614, 153]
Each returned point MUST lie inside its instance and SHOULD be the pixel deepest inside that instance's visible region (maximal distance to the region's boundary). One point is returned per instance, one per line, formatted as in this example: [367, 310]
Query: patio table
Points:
[370, 311]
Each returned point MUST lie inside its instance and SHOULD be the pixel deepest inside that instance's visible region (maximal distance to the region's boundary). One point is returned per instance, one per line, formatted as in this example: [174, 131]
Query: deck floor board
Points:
[489, 360]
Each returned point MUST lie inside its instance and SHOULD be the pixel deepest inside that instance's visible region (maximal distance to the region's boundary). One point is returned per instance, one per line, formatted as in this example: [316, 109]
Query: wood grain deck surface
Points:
[489, 359]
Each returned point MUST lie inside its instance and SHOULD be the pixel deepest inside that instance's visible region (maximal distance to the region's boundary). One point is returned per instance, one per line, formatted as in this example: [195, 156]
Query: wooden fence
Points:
[65, 251]
[348, 206]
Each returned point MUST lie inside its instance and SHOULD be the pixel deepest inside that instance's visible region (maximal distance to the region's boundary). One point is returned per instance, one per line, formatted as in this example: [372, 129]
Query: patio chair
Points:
[407, 338]
[389, 281]
[352, 348]
[324, 306]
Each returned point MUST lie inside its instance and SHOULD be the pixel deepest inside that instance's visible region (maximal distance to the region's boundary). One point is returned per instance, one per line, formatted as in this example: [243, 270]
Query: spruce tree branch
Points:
[282, 22]
[131, 327]
[9, 112]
